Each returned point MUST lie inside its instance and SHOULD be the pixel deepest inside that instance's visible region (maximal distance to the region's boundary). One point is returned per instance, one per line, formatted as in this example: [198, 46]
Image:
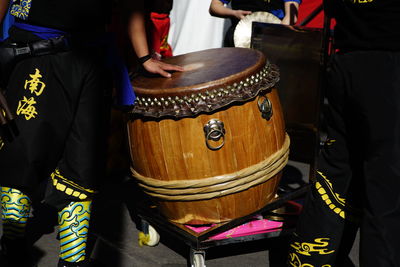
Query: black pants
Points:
[359, 167]
[61, 104]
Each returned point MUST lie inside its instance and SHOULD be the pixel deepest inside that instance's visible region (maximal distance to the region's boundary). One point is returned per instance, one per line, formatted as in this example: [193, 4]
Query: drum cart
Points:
[307, 47]
[153, 224]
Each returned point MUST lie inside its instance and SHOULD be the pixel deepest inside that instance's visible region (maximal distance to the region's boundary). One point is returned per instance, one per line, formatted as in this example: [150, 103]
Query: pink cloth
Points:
[251, 228]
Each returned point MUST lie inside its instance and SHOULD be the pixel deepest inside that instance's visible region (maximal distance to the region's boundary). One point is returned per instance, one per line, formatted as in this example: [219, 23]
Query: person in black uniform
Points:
[58, 83]
[359, 166]
[286, 10]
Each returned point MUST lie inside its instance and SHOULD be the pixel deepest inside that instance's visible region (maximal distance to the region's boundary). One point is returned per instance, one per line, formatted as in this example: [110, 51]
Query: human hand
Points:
[240, 14]
[159, 67]
[286, 20]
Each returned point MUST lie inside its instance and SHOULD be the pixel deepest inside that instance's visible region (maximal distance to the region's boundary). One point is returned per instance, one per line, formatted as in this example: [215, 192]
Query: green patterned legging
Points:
[16, 207]
[73, 223]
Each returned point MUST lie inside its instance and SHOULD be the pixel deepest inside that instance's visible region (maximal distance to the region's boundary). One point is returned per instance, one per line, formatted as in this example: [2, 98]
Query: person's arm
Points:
[218, 9]
[291, 12]
[137, 35]
[3, 9]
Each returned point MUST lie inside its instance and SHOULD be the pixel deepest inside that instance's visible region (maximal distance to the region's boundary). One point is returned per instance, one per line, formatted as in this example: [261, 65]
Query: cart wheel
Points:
[197, 258]
[151, 239]
[199, 261]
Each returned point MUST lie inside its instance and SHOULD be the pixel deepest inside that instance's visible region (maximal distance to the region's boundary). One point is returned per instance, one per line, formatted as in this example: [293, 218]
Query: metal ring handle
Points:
[208, 137]
[265, 107]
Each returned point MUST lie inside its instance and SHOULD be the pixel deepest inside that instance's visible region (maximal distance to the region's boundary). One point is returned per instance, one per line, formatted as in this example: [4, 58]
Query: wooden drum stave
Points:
[200, 144]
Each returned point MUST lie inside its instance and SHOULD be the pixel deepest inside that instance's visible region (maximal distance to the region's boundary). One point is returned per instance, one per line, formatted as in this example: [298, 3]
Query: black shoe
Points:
[16, 252]
[63, 263]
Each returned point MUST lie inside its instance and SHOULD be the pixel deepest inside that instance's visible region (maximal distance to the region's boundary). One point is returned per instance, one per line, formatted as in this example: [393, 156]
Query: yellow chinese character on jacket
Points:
[26, 107]
[35, 85]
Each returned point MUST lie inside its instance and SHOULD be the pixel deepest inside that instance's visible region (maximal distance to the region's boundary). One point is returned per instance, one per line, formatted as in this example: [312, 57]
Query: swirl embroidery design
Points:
[21, 10]
[320, 247]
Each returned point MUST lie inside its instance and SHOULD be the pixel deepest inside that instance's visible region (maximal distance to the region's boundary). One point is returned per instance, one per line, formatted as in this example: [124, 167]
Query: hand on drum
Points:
[240, 14]
[159, 67]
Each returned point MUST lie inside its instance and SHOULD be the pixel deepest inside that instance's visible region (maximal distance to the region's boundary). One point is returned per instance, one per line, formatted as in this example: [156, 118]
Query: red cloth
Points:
[159, 34]
[306, 8]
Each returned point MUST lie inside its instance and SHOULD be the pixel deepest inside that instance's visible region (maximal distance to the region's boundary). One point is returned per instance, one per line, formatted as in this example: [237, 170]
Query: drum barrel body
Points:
[175, 149]
[170, 149]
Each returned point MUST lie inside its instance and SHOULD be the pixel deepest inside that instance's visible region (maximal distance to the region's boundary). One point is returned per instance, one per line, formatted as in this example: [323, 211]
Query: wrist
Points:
[144, 59]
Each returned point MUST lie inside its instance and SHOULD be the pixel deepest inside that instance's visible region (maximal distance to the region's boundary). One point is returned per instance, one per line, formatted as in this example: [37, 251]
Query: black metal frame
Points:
[150, 215]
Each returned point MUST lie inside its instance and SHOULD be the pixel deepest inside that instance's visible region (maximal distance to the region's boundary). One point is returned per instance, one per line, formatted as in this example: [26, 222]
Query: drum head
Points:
[242, 34]
[212, 79]
[203, 69]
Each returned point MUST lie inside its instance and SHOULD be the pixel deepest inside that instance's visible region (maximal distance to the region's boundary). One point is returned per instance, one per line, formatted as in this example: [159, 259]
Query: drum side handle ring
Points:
[214, 130]
[265, 107]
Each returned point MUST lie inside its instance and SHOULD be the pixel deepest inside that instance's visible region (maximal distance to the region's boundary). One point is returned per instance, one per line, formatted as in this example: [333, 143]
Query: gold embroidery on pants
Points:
[294, 261]
[337, 201]
[68, 187]
[319, 247]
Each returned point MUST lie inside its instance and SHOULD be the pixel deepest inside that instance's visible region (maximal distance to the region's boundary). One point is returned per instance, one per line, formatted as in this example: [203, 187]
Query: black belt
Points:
[10, 53]
[40, 48]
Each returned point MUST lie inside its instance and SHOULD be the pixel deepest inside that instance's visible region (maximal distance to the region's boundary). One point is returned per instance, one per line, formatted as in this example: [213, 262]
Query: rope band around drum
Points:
[217, 186]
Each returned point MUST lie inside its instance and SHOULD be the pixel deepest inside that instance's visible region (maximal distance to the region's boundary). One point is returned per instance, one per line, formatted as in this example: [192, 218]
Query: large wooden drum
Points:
[209, 143]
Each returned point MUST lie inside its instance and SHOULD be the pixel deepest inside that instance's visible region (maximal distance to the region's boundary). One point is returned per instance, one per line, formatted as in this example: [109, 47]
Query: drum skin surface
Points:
[174, 148]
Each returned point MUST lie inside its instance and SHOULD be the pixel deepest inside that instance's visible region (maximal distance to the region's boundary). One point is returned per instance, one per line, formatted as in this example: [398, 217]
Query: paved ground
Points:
[114, 239]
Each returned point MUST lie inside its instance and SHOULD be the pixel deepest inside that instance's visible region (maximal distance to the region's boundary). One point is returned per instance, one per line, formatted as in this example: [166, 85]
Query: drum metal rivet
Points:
[190, 100]
[197, 99]
[159, 104]
[226, 92]
[162, 99]
[203, 97]
[207, 93]
[219, 94]
[166, 103]
[193, 96]
[246, 85]
[149, 99]
[212, 96]
[146, 104]
[169, 98]
[241, 82]
[173, 102]
[151, 103]
[252, 82]
[176, 98]
[185, 97]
